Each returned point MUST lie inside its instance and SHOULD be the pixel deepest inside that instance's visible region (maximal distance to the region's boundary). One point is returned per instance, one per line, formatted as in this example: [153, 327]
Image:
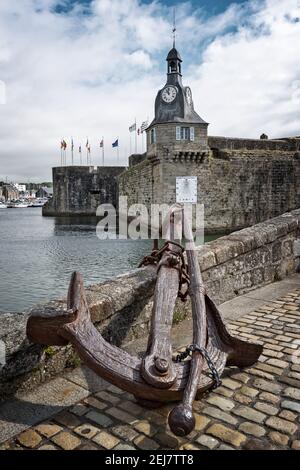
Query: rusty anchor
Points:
[157, 378]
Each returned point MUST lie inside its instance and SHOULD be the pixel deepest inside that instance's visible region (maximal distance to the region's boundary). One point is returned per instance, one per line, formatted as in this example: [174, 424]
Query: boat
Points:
[17, 205]
[38, 203]
[2, 205]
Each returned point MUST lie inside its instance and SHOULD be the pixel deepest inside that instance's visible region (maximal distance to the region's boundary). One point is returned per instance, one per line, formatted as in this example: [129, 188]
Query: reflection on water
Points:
[38, 255]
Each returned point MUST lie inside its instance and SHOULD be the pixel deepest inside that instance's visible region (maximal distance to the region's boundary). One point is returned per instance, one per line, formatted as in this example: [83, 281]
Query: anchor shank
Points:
[181, 419]
[158, 368]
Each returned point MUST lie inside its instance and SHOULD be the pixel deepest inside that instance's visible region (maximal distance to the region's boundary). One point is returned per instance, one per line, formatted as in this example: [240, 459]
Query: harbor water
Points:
[38, 255]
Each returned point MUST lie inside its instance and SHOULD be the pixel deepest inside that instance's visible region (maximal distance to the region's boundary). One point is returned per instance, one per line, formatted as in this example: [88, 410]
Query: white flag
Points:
[144, 126]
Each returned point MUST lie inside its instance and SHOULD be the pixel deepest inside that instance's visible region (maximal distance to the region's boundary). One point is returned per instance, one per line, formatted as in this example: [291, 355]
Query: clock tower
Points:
[176, 130]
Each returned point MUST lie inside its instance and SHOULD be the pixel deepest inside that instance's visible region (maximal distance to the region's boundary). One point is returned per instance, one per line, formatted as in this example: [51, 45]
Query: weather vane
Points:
[174, 27]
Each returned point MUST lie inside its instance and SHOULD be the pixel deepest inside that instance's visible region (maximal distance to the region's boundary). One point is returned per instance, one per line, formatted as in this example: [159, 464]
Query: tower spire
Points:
[174, 27]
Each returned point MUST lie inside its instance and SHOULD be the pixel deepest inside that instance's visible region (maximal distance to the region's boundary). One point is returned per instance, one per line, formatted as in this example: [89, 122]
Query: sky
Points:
[89, 68]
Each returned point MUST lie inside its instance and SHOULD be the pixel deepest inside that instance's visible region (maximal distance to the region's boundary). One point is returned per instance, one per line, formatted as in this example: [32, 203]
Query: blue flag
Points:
[116, 143]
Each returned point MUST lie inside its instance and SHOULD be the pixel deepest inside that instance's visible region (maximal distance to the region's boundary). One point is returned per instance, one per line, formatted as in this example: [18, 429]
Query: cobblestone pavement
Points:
[255, 408]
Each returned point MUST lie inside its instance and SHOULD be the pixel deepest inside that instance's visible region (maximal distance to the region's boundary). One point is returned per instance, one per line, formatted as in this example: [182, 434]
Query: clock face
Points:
[188, 95]
[169, 94]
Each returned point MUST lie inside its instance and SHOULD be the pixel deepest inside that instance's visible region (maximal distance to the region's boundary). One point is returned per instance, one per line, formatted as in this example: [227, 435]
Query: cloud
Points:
[91, 72]
[247, 82]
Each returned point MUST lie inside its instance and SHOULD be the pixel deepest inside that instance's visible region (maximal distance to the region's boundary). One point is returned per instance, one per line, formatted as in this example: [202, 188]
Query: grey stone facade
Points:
[78, 190]
[240, 181]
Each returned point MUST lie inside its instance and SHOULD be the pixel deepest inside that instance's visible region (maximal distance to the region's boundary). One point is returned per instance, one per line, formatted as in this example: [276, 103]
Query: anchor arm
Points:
[109, 362]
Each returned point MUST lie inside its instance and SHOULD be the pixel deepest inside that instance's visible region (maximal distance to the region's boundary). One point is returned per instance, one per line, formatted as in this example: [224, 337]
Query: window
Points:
[153, 136]
[185, 133]
[173, 66]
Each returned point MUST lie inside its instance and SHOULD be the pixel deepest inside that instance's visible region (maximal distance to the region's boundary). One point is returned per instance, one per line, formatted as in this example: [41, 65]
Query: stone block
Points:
[227, 435]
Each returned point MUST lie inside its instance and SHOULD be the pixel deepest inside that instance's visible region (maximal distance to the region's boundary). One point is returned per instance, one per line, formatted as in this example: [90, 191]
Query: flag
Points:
[89, 148]
[72, 145]
[116, 143]
[144, 126]
[64, 144]
[138, 131]
[79, 148]
[132, 128]
[87, 144]
[101, 144]
[61, 144]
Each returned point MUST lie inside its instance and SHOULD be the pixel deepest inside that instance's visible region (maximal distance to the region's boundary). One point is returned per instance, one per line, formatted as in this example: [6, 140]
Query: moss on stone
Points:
[49, 351]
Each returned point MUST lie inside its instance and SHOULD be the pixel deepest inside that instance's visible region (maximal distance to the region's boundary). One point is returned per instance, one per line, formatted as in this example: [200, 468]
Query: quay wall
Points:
[121, 307]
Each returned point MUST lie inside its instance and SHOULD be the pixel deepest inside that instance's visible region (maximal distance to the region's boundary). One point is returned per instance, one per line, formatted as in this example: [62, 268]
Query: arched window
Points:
[173, 66]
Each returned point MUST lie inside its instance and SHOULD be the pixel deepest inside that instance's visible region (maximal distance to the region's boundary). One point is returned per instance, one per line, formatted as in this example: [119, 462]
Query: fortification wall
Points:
[242, 182]
[78, 190]
[121, 307]
[234, 143]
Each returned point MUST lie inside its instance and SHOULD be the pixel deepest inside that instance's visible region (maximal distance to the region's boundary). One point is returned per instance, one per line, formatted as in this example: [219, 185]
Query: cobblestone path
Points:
[255, 408]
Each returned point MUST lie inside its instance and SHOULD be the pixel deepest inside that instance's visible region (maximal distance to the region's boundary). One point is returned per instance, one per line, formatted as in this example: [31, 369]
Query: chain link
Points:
[176, 260]
[194, 347]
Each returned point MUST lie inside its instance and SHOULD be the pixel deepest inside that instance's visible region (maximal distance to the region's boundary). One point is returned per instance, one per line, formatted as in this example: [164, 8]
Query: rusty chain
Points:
[194, 347]
[174, 260]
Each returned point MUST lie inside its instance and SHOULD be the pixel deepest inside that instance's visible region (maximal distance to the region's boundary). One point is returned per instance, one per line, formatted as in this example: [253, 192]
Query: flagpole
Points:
[103, 151]
[135, 137]
[87, 151]
[118, 150]
[146, 134]
[130, 142]
[61, 154]
[65, 153]
[72, 151]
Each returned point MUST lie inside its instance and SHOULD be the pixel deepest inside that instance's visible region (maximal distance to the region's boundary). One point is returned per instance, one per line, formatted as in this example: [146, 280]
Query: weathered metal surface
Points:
[181, 419]
[110, 362]
[157, 366]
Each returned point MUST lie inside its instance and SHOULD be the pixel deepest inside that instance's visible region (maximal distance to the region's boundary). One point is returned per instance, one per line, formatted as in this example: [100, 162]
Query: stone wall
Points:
[233, 143]
[78, 190]
[241, 182]
[121, 307]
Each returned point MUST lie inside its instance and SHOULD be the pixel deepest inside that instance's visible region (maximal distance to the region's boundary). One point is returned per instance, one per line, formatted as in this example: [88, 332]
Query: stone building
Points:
[239, 181]
[10, 192]
[79, 190]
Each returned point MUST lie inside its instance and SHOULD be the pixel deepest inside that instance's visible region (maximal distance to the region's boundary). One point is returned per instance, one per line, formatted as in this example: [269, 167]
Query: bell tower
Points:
[174, 63]
[177, 129]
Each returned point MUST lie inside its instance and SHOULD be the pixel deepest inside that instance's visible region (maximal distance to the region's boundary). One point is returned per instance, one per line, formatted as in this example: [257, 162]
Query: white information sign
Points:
[186, 189]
